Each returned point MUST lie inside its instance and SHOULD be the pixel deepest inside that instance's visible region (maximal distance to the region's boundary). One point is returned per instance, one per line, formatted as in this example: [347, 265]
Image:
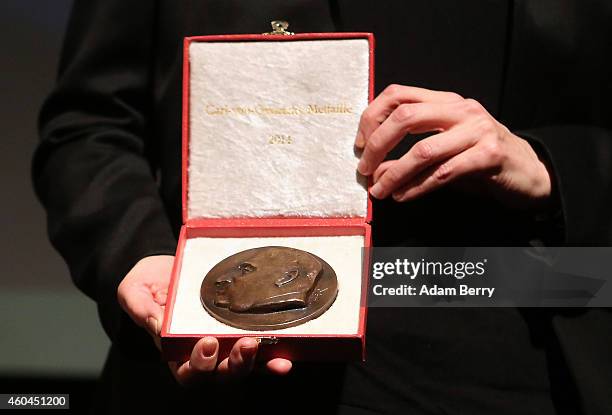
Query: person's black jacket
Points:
[108, 173]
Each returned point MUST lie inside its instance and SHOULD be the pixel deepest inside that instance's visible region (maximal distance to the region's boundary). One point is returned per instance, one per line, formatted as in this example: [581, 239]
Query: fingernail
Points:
[360, 140]
[249, 343]
[362, 167]
[376, 191]
[248, 350]
[209, 347]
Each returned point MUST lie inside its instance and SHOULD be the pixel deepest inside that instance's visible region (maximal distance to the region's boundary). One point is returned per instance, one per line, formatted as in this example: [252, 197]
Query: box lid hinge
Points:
[279, 27]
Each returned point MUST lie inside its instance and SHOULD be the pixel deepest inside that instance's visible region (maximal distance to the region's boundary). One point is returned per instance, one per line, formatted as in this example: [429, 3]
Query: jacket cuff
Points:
[577, 156]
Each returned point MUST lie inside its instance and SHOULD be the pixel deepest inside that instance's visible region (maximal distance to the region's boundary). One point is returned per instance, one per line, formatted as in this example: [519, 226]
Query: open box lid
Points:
[269, 123]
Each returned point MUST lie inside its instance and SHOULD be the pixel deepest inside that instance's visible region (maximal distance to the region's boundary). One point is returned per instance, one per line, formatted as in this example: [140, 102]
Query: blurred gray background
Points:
[48, 329]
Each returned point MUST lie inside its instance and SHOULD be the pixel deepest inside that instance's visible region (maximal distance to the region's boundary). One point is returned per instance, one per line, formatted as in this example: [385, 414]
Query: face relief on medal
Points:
[269, 288]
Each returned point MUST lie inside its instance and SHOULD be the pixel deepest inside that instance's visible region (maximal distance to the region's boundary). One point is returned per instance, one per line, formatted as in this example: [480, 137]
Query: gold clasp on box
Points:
[267, 340]
[279, 27]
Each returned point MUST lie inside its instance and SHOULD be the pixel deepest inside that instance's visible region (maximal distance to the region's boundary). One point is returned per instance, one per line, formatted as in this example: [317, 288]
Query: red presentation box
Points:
[268, 127]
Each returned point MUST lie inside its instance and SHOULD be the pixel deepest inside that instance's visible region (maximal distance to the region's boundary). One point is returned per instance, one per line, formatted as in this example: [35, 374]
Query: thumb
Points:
[142, 292]
[139, 303]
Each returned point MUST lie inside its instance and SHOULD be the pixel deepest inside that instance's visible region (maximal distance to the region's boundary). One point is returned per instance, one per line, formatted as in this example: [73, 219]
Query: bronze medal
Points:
[269, 288]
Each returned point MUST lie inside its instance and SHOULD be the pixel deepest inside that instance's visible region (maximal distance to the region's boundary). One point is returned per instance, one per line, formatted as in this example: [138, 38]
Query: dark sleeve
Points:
[581, 160]
[90, 169]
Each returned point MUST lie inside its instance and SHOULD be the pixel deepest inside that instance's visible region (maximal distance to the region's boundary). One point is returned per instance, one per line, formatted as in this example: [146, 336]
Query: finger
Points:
[200, 366]
[382, 168]
[407, 118]
[279, 366]
[468, 162]
[425, 153]
[204, 355]
[160, 296]
[241, 358]
[223, 368]
[386, 102]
